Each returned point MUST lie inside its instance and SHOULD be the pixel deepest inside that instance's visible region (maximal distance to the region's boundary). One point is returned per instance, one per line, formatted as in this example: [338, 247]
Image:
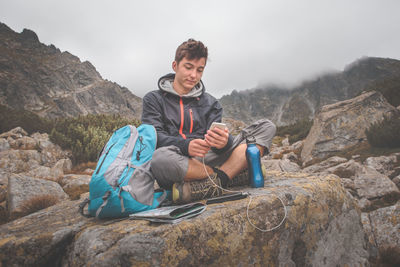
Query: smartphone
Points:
[220, 125]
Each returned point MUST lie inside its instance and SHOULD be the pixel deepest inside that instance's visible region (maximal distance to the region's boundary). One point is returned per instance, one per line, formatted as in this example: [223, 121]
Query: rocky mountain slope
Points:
[51, 83]
[284, 106]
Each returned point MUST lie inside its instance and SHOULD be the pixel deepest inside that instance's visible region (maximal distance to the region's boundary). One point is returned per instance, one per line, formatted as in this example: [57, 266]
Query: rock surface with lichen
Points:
[322, 228]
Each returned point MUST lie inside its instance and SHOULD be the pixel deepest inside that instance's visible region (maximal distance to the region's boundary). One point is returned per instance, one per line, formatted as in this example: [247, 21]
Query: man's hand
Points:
[217, 138]
[198, 148]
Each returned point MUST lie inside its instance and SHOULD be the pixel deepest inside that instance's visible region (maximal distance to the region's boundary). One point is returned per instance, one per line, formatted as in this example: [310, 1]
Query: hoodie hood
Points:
[165, 84]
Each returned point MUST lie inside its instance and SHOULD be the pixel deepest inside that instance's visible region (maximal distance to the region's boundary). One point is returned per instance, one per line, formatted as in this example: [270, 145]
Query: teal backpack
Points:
[122, 183]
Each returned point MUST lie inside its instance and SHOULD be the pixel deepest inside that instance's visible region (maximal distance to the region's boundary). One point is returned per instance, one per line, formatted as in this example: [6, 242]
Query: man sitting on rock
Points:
[182, 113]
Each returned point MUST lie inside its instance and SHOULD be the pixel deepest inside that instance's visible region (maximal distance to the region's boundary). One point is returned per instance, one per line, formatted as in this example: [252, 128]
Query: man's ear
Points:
[174, 65]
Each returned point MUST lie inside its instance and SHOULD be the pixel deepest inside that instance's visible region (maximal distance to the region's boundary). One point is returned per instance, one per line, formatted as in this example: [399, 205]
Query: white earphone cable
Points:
[250, 199]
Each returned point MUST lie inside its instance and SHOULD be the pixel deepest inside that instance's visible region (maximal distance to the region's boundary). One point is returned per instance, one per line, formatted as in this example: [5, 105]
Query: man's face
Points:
[188, 73]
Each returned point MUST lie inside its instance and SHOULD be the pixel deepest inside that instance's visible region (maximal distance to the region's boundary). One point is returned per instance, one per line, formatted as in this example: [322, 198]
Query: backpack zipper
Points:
[101, 164]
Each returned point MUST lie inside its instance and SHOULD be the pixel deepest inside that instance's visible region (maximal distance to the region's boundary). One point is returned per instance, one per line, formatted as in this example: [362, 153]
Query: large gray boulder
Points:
[23, 190]
[375, 190]
[382, 228]
[372, 189]
[322, 228]
[384, 164]
[343, 124]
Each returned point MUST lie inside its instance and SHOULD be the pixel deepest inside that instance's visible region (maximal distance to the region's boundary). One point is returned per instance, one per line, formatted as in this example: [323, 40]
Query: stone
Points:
[4, 145]
[88, 171]
[349, 185]
[280, 165]
[3, 212]
[375, 187]
[291, 157]
[371, 242]
[41, 239]
[75, 185]
[385, 225]
[383, 164]
[322, 225]
[396, 180]
[43, 172]
[17, 161]
[3, 184]
[58, 170]
[346, 170]
[297, 146]
[322, 166]
[15, 133]
[285, 142]
[341, 125]
[25, 143]
[22, 189]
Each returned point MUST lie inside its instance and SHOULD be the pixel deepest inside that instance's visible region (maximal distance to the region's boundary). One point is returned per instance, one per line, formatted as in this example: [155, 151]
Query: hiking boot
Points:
[242, 178]
[196, 190]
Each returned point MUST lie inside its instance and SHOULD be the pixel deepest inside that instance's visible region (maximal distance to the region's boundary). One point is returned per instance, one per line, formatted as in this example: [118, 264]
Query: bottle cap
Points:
[250, 139]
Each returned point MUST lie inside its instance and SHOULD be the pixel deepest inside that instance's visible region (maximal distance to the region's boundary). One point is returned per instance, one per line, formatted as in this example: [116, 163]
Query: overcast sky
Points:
[250, 43]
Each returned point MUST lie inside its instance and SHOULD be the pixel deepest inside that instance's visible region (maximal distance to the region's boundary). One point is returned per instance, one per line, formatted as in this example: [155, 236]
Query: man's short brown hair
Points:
[191, 49]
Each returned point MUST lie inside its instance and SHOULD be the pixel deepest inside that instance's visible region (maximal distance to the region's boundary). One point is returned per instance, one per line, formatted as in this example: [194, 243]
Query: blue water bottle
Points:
[254, 163]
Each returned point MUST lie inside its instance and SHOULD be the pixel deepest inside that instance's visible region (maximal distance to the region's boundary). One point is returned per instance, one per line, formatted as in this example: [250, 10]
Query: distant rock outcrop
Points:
[284, 106]
[343, 124]
[52, 83]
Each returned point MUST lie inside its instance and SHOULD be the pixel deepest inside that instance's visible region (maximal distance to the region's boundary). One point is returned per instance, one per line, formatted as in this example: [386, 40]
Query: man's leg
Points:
[196, 170]
[237, 161]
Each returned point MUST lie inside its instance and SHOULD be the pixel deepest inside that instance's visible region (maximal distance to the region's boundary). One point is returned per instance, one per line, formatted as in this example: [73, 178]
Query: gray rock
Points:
[4, 145]
[43, 172]
[291, 157]
[324, 165]
[346, 170]
[3, 184]
[22, 189]
[297, 146]
[396, 180]
[25, 143]
[3, 212]
[319, 212]
[280, 165]
[385, 229]
[343, 124]
[15, 133]
[383, 164]
[75, 185]
[376, 189]
[17, 161]
[285, 142]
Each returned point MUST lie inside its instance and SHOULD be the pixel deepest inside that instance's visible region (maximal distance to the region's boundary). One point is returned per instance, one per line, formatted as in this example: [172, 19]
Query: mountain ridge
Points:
[51, 83]
[287, 105]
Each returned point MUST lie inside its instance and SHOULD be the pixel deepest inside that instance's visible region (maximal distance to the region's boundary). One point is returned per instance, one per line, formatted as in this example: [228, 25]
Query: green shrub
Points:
[85, 136]
[385, 133]
[296, 131]
[29, 121]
